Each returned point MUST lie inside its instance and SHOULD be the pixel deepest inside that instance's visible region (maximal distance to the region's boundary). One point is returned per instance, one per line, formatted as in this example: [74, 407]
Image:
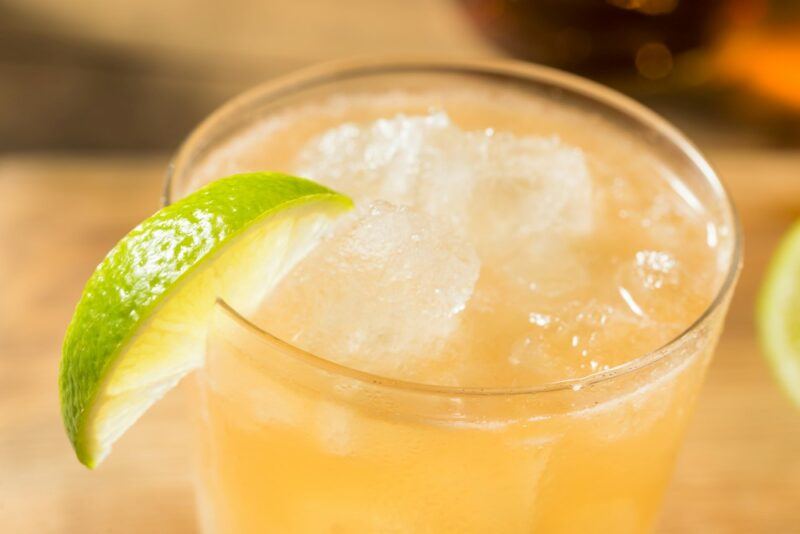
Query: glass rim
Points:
[310, 77]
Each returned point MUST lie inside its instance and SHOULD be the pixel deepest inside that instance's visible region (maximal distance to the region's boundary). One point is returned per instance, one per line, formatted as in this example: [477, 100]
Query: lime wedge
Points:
[778, 313]
[141, 322]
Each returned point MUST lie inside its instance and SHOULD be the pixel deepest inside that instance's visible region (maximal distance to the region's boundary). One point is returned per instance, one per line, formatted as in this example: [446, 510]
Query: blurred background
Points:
[137, 74]
[96, 94]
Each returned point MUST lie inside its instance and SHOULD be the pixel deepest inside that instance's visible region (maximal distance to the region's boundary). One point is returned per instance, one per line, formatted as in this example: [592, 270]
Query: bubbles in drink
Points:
[580, 338]
[656, 269]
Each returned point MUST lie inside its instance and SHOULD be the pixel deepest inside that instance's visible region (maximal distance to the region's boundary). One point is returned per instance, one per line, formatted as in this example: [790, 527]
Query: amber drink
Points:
[507, 334]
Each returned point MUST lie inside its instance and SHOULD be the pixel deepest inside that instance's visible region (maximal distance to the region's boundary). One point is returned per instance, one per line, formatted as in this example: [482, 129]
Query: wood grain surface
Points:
[739, 470]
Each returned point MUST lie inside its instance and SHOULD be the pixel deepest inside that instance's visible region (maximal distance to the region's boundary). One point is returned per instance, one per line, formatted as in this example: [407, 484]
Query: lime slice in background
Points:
[778, 313]
[141, 322]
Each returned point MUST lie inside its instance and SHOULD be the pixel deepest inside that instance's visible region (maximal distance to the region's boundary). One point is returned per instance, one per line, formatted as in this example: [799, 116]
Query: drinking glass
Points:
[292, 442]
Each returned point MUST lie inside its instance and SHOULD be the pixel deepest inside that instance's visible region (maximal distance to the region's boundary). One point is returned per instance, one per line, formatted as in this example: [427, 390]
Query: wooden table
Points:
[739, 470]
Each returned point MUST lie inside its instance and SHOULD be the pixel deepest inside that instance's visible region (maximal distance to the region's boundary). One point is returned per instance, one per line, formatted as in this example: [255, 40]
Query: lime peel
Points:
[140, 324]
[778, 313]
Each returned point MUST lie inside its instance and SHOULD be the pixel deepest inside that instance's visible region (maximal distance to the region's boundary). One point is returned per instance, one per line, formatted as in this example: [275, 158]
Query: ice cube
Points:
[666, 216]
[384, 291]
[420, 161]
[493, 184]
[529, 189]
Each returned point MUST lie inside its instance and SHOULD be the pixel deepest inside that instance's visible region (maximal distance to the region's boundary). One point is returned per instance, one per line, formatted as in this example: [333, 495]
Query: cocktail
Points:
[502, 327]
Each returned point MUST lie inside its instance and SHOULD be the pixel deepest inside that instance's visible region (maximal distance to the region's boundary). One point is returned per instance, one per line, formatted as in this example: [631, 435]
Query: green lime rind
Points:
[778, 313]
[141, 272]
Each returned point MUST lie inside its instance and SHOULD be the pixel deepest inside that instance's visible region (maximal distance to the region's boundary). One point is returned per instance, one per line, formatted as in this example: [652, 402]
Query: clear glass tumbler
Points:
[291, 442]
